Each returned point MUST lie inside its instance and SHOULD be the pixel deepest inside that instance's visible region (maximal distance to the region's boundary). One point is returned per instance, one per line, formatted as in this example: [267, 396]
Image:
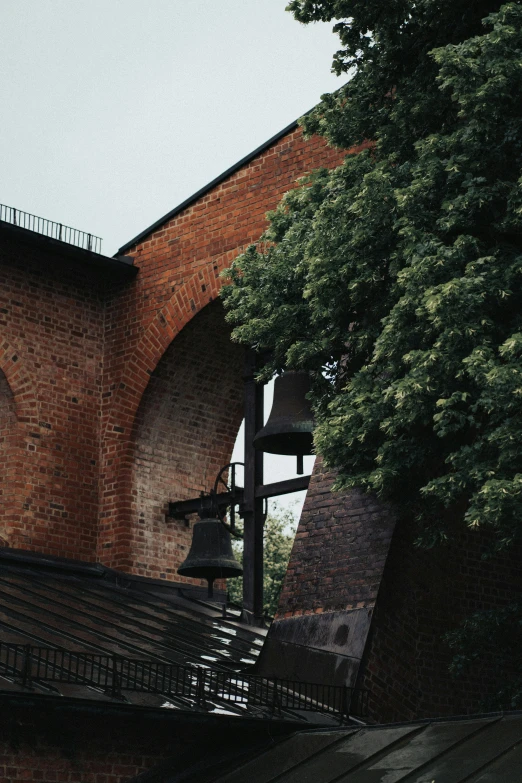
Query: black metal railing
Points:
[199, 686]
[50, 229]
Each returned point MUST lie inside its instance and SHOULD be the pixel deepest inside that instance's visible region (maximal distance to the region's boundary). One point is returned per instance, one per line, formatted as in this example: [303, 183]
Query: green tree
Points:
[395, 279]
[278, 538]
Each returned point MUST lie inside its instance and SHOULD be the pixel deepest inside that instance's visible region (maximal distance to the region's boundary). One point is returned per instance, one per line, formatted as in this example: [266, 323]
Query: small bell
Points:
[210, 556]
[289, 429]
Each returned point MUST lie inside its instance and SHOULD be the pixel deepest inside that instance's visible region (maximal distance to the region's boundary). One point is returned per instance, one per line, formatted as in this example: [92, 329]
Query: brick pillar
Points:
[331, 585]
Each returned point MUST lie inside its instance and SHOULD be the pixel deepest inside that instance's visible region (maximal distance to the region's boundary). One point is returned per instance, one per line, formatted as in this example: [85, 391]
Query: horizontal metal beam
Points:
[182, 508]
[282, 487]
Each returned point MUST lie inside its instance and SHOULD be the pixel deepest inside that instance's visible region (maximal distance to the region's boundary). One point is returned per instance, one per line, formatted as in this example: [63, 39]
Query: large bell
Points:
[210, 555]
[291, 423]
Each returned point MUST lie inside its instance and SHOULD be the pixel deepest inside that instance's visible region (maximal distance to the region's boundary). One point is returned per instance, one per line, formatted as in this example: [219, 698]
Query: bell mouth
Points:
[297, 443]
[211, 570]
[290, 425]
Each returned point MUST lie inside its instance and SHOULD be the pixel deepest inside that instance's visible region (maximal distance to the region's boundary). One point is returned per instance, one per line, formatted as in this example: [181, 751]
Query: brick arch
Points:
[200, 290]
[20, 384]
[189, 330]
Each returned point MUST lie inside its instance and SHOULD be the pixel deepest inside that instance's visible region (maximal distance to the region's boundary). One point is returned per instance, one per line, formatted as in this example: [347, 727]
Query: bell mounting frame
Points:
[234, 497]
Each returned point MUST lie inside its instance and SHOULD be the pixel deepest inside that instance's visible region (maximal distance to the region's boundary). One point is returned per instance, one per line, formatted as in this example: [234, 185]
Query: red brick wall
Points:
[55, 740]
[88, 362]
[184, 433]
[339, 552]
[51, 318]
[8, 456]
[40, 762]
[179, 265]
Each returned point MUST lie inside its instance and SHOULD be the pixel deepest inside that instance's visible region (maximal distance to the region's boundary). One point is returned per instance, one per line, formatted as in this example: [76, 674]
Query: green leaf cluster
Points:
[396, 279]
[278, 538]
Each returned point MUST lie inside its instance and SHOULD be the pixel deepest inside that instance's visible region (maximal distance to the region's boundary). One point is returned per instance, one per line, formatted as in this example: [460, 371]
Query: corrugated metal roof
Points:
[484, 750]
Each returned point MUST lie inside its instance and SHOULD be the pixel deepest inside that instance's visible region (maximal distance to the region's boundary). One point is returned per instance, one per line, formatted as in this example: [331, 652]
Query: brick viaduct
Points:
[120, 390]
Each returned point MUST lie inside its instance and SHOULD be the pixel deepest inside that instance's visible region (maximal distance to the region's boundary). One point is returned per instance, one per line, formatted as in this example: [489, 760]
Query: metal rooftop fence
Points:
[193, 686]
[50, 229]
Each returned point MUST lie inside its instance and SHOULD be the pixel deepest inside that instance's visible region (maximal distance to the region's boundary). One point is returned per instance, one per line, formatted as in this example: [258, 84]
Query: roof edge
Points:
[116, 263]
[27, 559]
[206, 188]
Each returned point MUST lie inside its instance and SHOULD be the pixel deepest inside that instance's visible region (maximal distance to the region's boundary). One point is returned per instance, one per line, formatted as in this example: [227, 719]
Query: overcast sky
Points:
[115, 111]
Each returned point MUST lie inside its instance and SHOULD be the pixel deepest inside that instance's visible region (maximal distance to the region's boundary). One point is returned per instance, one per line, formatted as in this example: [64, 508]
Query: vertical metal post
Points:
[27, 667]
[344, 712]
[115, 690]
[200, 686]
[252, 507]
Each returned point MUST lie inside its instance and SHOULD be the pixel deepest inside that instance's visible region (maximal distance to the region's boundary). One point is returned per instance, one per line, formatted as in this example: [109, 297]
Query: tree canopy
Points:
[395, 279]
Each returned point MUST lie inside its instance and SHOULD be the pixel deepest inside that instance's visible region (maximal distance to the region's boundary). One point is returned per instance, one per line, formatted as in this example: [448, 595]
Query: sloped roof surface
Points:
[83, 631]
[89, 613]
[486, 750]
[94, 615]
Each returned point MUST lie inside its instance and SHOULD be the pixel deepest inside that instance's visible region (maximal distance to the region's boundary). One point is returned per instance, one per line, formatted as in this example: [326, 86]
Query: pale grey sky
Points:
[115, 111]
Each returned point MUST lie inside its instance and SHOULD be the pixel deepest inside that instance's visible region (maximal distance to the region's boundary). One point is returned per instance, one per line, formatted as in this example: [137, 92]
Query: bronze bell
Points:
[291, 423]
[210, 555]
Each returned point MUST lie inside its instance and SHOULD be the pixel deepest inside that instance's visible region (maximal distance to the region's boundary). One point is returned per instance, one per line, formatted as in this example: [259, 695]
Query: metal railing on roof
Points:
[16, 217]
[190, 685]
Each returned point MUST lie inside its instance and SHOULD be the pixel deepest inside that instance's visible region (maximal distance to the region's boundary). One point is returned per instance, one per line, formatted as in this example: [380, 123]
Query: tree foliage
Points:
[395, 279]
[278, 538]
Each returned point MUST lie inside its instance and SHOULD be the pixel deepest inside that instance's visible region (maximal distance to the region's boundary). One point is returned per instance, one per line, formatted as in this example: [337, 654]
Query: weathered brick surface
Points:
[39, 762]
[349, 554]
[59, 742]
[92, 445]
[425, 594]
[51, 361]
[73, 743]
[184, 433]
[179, 275]
[8, 455]
[339, 552]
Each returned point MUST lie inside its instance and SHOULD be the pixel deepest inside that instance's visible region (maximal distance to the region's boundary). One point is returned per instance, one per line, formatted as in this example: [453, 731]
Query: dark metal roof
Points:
[89, 614]
[484, 750]
[85, 610]
[217, 181]
[81, 630]
[118, 264]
